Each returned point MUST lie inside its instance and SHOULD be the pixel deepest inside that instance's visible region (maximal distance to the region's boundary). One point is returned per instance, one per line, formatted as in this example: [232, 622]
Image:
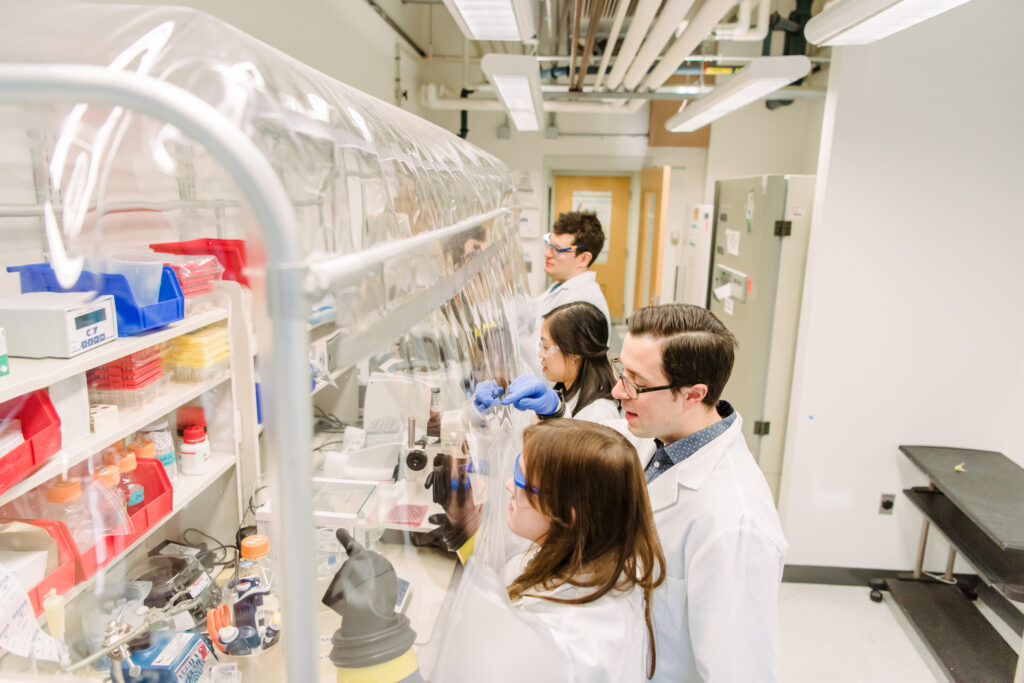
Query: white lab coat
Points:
[604, 641]
[582, 287]
[601, 411]
[716, 614]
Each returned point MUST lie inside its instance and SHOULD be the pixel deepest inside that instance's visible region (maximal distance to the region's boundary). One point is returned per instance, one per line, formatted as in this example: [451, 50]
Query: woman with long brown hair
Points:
[578, 494]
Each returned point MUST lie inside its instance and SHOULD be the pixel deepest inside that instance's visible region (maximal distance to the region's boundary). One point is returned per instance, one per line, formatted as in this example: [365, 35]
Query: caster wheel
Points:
[876, 596]
[877, 584]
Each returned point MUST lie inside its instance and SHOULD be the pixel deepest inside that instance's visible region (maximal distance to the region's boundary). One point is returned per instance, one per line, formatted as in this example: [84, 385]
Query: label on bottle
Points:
[199, 585]
[136, 494]
[167, 459]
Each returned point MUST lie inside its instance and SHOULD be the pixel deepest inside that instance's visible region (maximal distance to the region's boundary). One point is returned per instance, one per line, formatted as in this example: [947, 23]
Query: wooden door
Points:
[609, 197]
[651, 236]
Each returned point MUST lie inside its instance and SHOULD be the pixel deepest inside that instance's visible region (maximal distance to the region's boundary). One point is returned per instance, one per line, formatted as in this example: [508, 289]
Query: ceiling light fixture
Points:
[762, 76]
[493, 19]
[858, 22]
[517, 80]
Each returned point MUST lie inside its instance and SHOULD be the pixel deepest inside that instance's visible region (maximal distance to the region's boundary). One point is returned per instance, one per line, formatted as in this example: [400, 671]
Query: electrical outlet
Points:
[886, 505]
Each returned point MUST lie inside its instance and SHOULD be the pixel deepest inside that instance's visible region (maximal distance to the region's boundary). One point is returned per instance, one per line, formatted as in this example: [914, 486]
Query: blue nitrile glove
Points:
[487, 394]
[529, 392]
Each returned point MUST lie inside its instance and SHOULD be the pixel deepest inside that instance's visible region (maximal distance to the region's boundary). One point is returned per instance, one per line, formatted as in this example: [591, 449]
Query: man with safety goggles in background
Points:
[570, 248]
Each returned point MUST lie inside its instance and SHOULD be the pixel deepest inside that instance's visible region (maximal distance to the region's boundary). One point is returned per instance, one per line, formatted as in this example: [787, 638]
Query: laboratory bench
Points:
[975, 499]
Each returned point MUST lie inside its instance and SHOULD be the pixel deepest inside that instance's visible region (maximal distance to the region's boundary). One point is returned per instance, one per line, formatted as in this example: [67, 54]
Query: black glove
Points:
[364, 592]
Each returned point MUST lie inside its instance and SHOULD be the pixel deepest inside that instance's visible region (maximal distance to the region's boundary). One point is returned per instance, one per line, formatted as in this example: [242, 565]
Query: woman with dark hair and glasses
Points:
[573, 352]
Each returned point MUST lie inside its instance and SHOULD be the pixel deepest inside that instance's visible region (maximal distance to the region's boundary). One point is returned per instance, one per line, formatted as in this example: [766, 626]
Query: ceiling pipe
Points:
[661, 32]
[613, 37]
[433, 97]
[642, 18]
[697, 30]
[745, 32]
[577, 18]
[588, 47]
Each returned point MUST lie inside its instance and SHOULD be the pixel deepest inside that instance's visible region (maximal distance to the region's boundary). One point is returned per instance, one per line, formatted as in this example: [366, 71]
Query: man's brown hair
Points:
[585, 228]
[696, 348]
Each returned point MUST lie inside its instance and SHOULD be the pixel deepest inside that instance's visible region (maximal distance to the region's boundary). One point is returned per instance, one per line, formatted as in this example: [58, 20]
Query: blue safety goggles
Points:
[520, 479]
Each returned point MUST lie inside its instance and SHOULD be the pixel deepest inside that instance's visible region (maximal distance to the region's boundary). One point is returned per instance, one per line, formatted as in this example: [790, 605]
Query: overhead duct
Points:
[642, 18]
[661, 32]
[698, 29]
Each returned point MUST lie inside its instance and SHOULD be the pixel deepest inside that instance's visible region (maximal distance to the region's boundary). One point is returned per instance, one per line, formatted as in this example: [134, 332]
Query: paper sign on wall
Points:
[797, 211]
[732, 242]
[601, 204]
[728, 304]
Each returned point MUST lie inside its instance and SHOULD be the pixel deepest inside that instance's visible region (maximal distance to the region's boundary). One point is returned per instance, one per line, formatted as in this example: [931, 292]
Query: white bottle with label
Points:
[195, 451]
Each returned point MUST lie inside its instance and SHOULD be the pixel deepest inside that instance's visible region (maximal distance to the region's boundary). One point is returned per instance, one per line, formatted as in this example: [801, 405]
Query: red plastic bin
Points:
[157, 504]
[197, 277]
[40, 426]
[64, 577]
[230, 253]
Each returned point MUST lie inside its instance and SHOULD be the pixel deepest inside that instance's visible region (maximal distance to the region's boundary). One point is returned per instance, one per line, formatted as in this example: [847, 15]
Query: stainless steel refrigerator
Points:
[760, 235]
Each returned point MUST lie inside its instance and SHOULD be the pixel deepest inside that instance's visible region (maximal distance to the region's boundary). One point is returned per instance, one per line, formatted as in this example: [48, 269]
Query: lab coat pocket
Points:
[668, 610]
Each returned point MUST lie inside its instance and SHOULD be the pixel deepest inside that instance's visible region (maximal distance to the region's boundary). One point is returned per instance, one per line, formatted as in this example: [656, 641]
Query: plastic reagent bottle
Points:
[163, 442]
[255, 564]
[195, 451]
[64, 500]
[132, 491]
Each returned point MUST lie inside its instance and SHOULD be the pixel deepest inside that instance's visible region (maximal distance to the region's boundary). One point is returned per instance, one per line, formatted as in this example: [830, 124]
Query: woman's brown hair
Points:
[602, 533]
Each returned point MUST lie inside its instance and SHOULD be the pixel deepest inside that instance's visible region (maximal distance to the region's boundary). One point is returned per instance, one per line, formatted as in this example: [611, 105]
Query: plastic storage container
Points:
[199, 355]
[64, 503]
[163, 446]
[133, 317]
[230, 253]
[133, 371]
[142, 269]
[40, 428]
[129, 397]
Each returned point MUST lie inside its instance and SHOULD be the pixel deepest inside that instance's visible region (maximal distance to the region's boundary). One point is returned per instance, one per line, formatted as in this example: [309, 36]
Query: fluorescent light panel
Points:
[517, 80]
[493, 19]
[858, 22]
[762, 76]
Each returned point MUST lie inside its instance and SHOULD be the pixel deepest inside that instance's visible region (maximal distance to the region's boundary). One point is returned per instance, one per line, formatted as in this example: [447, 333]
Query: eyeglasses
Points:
[546, 350]
[556, 248]
[520, 479]
[629, 386]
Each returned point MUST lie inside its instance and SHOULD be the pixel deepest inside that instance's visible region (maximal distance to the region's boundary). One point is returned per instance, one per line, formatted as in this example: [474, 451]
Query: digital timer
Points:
[57, 324]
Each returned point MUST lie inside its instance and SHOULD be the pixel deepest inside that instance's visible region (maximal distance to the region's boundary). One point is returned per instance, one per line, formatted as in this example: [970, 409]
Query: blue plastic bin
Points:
[131, 318]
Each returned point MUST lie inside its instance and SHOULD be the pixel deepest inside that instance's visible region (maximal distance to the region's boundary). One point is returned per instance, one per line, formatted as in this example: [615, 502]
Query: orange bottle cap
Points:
[143, 448]
[127, 463]
[63, 491]
[108, 476]
[255, 546]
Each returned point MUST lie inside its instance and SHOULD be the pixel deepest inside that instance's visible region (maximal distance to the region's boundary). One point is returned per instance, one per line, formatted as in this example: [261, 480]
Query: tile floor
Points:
[835, 634]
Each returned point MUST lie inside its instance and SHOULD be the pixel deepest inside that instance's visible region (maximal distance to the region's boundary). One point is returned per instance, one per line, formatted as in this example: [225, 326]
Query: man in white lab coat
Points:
[716, 614]
[571, 247]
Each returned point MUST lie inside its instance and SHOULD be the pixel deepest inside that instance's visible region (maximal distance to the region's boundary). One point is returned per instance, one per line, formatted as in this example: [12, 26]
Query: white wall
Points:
[755, 141]
[911, 321]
